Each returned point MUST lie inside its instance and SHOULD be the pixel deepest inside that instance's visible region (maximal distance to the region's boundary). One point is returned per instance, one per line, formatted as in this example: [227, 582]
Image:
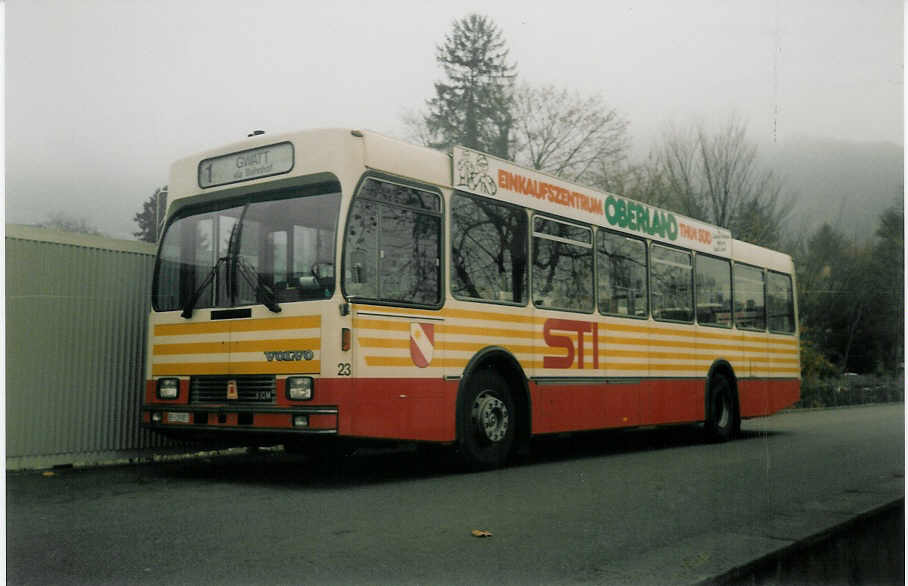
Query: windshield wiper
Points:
[262, 291]
[194, 298]
[239, 265]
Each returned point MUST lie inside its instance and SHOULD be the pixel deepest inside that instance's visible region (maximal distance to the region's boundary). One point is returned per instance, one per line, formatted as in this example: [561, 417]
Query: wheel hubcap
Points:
[724, 414]
[490, 417]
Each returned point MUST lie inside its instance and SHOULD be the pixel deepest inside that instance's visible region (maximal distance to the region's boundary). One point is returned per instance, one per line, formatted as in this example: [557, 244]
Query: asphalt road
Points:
[640, 506]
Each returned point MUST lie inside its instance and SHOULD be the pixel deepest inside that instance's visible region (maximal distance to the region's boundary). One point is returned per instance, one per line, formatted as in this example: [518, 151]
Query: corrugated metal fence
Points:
[76, 314]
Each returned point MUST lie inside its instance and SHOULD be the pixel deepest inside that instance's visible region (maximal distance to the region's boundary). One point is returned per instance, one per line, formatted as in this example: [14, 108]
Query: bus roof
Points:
[463, 169]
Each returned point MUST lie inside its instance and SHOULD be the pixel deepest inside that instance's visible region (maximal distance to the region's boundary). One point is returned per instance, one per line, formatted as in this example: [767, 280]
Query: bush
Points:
[852, 390]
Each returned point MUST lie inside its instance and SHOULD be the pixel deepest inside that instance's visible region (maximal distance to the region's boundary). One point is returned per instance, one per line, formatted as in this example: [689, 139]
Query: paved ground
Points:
[642, 506]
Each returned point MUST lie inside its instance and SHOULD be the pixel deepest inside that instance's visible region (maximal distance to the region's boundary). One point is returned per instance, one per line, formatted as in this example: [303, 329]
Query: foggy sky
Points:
[101, 96]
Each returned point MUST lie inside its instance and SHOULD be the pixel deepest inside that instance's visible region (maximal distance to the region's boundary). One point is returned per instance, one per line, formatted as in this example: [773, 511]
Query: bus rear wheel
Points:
[488, 422]
[722, 418]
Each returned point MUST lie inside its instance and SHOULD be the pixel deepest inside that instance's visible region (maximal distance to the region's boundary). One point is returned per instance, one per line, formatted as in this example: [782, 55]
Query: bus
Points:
[335, 285]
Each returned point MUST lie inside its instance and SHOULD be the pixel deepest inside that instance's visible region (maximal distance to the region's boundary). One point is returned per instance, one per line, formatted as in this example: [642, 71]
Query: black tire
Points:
[488, 423]
[722, 418]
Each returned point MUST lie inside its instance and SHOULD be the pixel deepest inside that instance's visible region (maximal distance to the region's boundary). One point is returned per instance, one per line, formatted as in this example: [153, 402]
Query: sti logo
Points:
[555, 340]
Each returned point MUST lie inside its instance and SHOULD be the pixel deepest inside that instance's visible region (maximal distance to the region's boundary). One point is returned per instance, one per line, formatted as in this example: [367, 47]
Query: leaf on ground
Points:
[481, 533]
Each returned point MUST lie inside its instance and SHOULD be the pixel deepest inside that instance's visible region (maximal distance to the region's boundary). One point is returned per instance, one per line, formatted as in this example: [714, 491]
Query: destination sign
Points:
[246, 165]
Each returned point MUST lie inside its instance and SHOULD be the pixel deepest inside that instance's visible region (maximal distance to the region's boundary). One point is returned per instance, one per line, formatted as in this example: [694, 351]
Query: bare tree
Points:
[645, 182]
[566, 133]
[66, 223]
[717, 178]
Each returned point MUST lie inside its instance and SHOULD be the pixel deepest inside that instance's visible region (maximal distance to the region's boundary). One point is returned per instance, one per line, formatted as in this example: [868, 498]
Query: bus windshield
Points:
[262, 251]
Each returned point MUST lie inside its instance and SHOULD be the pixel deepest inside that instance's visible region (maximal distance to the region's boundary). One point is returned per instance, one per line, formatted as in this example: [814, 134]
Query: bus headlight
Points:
[168, 388]
[299, 388]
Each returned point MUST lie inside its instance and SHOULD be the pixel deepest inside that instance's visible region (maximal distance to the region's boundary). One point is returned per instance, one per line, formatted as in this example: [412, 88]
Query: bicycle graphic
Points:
[473, 173]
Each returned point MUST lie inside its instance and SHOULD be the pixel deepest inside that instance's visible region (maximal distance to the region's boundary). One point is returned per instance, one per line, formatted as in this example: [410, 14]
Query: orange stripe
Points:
[403, 343]
[236, 346]
[189, 368]
[490, 333]
[378, 324]
[252, 325]
[404, 311]
[490, 316]
[406, 361]
[506, 316]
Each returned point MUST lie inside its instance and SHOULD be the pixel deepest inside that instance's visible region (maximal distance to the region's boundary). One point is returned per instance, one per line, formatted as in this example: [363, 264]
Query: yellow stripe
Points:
[537, 365]
[237, 346]
[253, 325]
[605, 327]
[404, 311]
[505, 316]
[406, 361]
[189, 368]
[396, 326]
[475, 346]
[489, 333]
[379, 324]
[398, 343]
[403, 343]
[489, 316]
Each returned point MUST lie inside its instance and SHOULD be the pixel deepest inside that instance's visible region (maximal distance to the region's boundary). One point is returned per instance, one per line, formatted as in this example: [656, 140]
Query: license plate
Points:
[177, 417]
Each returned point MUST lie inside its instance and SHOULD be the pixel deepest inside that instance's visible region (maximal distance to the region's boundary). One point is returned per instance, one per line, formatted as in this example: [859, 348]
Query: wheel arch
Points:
[508, 367]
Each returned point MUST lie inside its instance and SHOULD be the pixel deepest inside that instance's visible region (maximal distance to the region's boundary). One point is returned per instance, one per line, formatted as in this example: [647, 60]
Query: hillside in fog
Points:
[845, 184]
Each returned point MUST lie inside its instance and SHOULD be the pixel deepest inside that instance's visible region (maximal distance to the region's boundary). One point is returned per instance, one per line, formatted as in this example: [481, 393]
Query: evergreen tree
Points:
[151, 216]
[472, 106]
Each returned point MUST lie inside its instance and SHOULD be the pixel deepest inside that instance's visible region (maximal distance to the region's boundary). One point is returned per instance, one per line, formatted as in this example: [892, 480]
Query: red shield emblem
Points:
[422, 343]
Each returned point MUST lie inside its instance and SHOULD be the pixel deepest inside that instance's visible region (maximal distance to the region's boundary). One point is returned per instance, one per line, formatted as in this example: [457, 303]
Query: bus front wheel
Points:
[488, 422]
[722, 418]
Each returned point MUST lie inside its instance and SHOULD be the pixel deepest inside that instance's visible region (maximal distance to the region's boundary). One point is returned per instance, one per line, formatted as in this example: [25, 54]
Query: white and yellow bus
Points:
[335, 284]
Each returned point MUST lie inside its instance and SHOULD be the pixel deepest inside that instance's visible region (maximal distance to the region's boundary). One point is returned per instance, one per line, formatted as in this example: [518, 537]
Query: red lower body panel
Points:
[759, 397]
[406, 409]
[574, 407]
[424, 409]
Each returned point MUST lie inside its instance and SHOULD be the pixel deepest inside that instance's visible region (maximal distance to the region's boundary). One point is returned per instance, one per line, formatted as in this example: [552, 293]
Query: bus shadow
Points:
[600, 443]
[377, 465]
[276, 468]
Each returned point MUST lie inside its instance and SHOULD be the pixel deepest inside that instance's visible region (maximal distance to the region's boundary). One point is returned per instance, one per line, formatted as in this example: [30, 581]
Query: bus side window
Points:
[750, 303]
[672, 287]
[780, 303]
[488, 250]
[713, 280]
[621, 263]
[562, 265]
[393, 244]
[362, 250]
